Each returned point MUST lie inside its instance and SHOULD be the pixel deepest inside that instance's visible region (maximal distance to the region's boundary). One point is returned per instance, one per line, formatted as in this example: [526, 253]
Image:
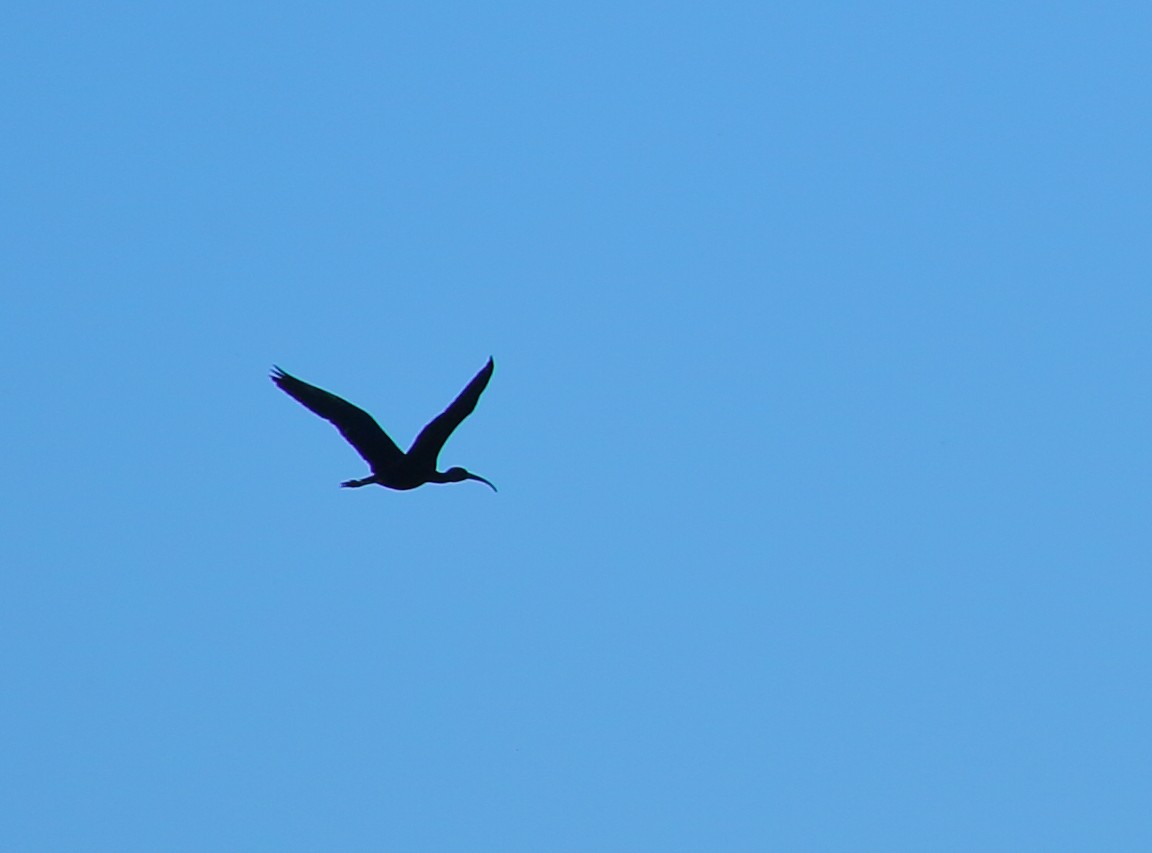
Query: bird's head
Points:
[459, 475]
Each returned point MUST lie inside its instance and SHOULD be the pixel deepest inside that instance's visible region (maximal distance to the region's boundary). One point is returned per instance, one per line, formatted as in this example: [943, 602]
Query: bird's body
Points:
[391, 467]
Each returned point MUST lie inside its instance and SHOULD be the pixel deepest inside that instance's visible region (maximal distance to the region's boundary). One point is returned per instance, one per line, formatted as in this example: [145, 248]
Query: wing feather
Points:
[428, 444]
[356, 425]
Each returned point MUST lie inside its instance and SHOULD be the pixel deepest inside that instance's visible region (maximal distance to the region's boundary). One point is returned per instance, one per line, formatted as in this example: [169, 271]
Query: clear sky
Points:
[820, 420]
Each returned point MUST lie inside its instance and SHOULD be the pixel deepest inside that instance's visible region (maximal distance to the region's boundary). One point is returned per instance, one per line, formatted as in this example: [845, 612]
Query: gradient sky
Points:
[820, 419]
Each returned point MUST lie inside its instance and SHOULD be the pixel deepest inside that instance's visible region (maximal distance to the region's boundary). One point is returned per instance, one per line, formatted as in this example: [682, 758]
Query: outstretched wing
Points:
[355, 424]
[426, 447]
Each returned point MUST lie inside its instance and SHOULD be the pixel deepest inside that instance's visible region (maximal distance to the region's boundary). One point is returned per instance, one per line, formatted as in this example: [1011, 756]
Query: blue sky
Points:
[820, 420]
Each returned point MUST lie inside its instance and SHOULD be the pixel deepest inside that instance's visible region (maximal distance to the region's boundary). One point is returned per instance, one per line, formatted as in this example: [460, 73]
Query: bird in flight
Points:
[391, 466]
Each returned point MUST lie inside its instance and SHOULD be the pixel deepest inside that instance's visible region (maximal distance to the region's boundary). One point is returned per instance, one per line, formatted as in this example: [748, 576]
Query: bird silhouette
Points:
[391, 467]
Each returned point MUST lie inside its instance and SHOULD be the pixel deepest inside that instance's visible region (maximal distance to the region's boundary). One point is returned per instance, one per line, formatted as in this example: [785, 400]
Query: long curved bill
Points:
[482, 480]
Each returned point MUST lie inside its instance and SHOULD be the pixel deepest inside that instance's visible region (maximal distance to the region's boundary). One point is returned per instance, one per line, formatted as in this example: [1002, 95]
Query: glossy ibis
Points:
[391, 466]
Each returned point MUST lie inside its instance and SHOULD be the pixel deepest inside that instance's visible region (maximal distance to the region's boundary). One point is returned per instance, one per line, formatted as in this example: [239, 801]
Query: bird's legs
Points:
[355, 484]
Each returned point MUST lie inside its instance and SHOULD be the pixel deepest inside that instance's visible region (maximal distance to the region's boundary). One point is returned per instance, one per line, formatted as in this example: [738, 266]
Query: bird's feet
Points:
[351, 484]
